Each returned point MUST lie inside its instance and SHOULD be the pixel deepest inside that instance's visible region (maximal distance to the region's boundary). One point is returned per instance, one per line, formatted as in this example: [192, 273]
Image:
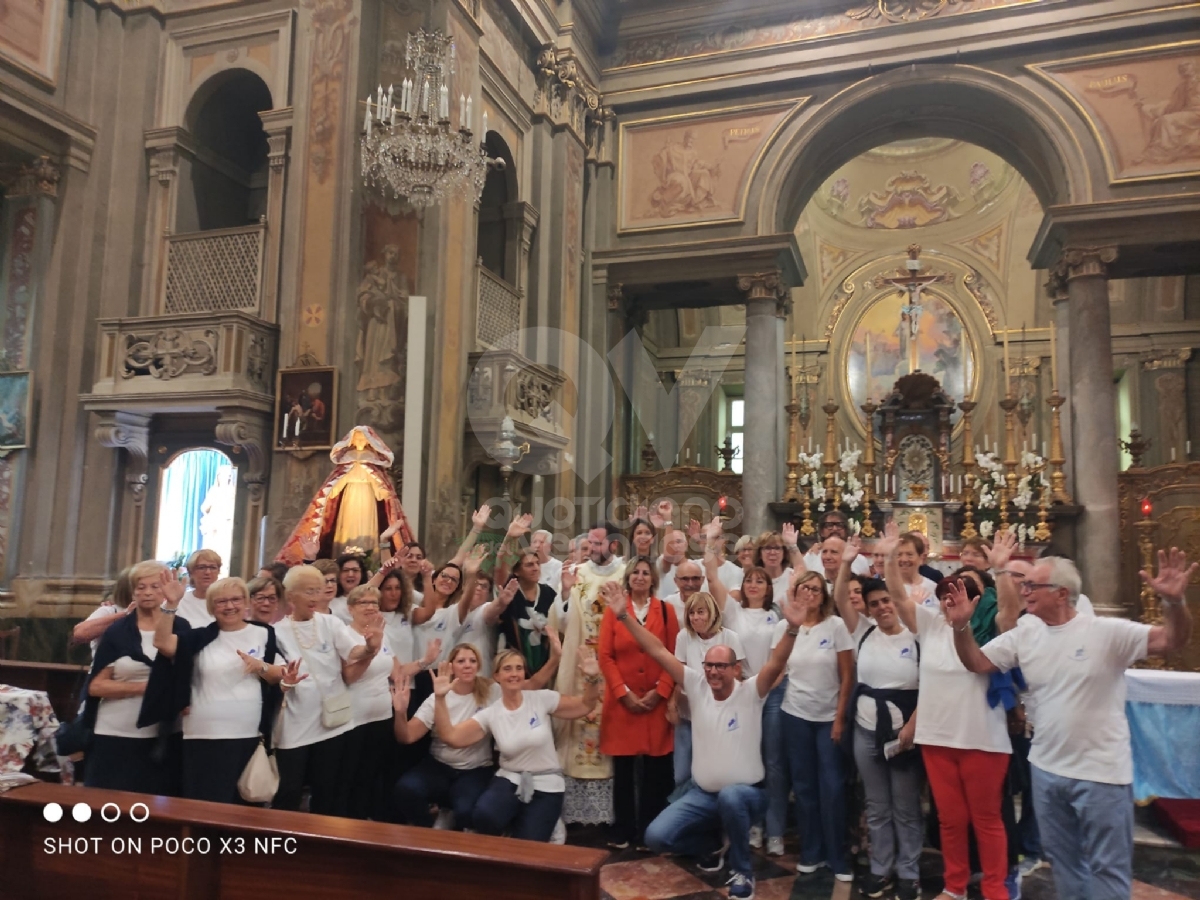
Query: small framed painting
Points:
[16, 394]
[305, 408]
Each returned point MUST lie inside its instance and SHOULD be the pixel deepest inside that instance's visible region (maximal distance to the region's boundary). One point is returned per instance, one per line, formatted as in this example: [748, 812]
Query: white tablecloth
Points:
[1164, 728]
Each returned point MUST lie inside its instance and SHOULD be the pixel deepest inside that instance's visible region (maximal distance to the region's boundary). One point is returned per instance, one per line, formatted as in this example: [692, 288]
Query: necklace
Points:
[304, 638]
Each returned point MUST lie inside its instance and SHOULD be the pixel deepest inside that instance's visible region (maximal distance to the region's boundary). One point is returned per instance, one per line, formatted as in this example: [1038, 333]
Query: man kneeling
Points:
[727, 765]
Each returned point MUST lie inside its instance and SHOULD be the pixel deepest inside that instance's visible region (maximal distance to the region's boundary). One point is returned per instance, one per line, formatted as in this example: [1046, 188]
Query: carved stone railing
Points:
[504, 383]
[208, 271]
[497, 312]
[197, 361]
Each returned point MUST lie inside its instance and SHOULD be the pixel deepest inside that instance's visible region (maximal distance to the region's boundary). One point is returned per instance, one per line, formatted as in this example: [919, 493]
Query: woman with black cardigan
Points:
[225, 677]
[123, 757]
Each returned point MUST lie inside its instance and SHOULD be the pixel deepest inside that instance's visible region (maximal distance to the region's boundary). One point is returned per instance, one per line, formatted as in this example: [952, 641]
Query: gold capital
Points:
[1082, 262]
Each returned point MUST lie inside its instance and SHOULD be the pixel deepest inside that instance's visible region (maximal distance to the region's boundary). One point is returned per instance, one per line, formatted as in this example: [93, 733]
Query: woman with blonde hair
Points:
[123, 757]
[225, 675]
[701, 631]
[820, 672]
[117, 602]
[330, 571]
[453, 778]
[525, 796]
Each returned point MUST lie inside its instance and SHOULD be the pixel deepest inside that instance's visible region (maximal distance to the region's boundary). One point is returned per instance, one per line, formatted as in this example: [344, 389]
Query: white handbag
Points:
[260, 779]
[336, 710]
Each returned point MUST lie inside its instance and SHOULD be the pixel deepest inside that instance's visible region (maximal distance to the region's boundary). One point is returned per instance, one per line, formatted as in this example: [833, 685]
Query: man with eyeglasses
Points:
[727, 766]
[1075, 666]
[204, 568]
[834, 524]
[688, 579]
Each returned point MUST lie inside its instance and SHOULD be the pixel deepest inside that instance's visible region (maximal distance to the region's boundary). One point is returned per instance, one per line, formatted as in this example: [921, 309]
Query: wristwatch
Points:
[622, 617]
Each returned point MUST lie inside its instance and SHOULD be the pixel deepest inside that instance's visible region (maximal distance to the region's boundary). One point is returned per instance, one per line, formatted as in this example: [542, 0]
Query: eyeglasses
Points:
[717, 667]
[265, 598]
[331, 579]
[810, 588]
[227, 601]
[1028, 587]
[206, 567]
[689, 577]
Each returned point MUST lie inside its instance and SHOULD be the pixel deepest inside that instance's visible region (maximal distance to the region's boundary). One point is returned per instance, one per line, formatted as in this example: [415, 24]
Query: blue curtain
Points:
[185, 483]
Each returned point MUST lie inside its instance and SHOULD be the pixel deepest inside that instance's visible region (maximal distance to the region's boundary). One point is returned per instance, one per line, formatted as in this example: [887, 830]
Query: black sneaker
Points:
[874, 886]
[908, 889]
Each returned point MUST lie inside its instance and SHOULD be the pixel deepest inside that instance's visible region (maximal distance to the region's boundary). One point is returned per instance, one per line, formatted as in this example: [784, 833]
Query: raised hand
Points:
[390, 563]
[661, 514]
[714, 529]
[291, 674]
[693, 529]
[791, 537]
[568, 580]
[373, 633]
[474, 560]
[614, 597]
[507, 593]
[642, 513]
[174, 586]
[1001, 552]
[479, 518]
[432, 652]
[310, 547]
[795, 610]
[442, 680]
[588, 664]
[959, 608]
[850, 551]
[401, 691]
[890, 540]
[1173, 576]
[390, 530]
[427, 570]
[519, 527]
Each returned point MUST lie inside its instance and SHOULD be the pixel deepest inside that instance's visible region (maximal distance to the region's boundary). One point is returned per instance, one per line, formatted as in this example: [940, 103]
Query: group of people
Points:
[704, 695]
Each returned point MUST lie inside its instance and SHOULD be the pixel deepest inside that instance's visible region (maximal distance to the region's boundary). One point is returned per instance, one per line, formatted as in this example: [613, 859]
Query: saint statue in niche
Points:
[356, 504]
[383, 325]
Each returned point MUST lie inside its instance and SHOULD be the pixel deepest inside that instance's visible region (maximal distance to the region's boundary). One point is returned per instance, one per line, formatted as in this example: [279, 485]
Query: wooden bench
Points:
[247, 852]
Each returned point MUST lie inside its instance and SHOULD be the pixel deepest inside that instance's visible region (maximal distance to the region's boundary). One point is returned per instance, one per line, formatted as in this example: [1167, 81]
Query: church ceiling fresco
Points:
[677, 46]
[1143, 106]
[683, 171]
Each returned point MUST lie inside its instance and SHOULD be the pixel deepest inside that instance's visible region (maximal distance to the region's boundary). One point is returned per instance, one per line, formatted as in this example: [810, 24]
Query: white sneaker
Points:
[806, 869]
[559, 834]
[775, 846]
[444, 820]
[756, 836]
[844, 876]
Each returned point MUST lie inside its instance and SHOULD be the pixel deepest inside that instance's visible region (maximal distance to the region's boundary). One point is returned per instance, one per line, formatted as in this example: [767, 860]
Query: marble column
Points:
[1094, 423]
[764, 334]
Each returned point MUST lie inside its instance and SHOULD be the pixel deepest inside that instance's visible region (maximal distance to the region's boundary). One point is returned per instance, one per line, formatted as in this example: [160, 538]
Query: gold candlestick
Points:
[830, 409]
[968, 529]
[868, 460]
[1146, 528]
[791, 492]
[1009, 405]
[806, 522]
[1058, 480]
[1042, 531]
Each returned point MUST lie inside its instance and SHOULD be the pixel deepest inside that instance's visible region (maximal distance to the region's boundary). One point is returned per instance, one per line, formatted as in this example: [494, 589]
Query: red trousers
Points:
[967, 786]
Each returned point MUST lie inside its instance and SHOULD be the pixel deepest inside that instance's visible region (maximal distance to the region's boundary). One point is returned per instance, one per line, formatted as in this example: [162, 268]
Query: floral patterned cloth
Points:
[27, 725]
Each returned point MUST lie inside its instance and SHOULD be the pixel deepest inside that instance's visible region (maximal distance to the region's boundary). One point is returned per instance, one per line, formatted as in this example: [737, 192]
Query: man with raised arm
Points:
[1075, 667]
[727, 764]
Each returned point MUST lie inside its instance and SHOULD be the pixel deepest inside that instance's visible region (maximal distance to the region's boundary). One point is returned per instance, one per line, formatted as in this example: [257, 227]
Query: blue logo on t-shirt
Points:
[534, 721]
[253, 651]
[770, 618]
[825, 644]
[1080, 654]
[732, 724]
[905, 652]
[440, 626]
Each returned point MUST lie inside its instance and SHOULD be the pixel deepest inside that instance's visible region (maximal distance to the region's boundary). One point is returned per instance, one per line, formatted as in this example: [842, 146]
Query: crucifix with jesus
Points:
[910, 280]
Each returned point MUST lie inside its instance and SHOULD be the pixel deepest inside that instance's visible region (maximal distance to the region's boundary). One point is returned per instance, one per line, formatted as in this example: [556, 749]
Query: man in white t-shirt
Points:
[727, 765]
[204, 568]
[674, 555]
[541, 544]
[833, 523]
[688, 579]
[1075, 667]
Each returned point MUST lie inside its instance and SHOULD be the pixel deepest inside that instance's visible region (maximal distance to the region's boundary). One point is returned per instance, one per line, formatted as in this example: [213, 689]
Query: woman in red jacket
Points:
[634, 720]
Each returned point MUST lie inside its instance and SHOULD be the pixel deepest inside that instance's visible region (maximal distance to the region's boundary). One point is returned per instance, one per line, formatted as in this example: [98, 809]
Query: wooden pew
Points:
[256, 854]
[60, 681]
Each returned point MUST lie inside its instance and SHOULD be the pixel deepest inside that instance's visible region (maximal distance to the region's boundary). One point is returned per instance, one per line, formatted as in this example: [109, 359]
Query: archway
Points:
[196, 502]
[228, 176]
[497, 236]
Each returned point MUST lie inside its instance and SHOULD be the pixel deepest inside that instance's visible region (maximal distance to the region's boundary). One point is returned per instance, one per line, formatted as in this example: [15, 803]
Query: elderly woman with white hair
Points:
[314, 747]
[225, 676]
[123, 757]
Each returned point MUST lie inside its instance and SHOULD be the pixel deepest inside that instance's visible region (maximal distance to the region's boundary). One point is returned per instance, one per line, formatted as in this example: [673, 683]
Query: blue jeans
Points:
[692, 825]
[499, 810]
[775, 762]
[1087, 834]
[815, 766]
[683, 752]
[430, 781]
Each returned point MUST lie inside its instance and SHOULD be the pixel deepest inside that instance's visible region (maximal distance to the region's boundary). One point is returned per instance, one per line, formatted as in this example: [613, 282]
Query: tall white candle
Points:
[367, 117]
[1172, 454]
[285, 424]
[467, 117]
[483, 130]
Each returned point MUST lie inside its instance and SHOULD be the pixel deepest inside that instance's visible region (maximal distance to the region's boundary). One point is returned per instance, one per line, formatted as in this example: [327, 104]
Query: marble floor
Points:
[1162, 872]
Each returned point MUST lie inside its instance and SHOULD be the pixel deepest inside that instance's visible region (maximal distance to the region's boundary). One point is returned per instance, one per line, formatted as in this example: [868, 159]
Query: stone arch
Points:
[954, 101]
[219, 74]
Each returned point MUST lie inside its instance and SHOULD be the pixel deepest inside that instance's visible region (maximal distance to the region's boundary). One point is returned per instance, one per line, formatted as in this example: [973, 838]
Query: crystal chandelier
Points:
[409, 148]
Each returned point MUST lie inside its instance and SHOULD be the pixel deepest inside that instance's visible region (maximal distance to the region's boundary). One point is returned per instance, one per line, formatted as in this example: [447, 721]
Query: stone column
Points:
[1060, 319]
[764, 330]
[1094, 423]
[277, 123]
[129, 432]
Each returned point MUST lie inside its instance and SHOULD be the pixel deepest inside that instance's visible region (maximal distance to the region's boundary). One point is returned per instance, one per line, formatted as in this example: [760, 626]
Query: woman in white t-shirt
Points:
[820, 673]
[222, 675]
[313, 746]
[964, 740]
[702, 629]
[123, 757]
[773, 552]
[752, 614]
[908, 557]
[372, 745]
[525, 796]
[454, 779]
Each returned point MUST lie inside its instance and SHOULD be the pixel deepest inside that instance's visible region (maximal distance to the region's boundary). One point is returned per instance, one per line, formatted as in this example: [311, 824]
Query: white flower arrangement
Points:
[986, 528]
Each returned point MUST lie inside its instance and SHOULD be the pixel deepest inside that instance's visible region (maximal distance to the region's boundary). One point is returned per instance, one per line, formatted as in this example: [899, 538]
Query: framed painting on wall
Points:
[16, 395]
[30, 36]
[305, 408]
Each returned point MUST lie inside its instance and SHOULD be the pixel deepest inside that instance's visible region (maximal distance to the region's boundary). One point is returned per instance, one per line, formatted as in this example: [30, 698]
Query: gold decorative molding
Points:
[1166, 359]
[844, 295]
[38, 178]
[569, 99]
[1085, 262]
